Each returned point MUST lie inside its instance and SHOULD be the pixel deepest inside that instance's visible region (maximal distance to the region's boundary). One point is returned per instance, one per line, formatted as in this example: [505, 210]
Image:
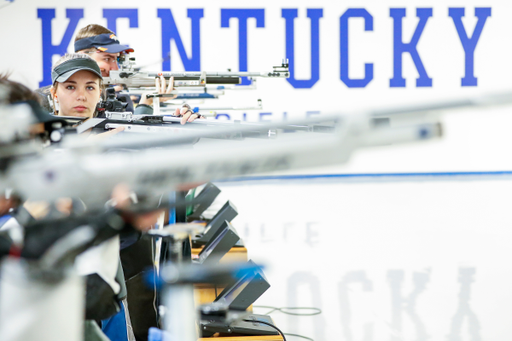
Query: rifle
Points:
[169, 124]
[201, 94]
[82, 169]
[47, 175]
[207, 87]
[165, 107]
[135, 79]
[490, 99]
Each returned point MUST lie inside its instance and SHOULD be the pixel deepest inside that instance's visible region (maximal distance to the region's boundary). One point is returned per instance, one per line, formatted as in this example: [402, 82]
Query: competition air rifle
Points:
[192, 92]
[182, 93]
[170, 107]
[168, 125]
[132, 123]
[131, 78]
[112, 115]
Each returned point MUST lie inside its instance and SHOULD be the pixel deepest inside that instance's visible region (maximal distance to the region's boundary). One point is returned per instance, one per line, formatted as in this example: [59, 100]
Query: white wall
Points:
[356, 249]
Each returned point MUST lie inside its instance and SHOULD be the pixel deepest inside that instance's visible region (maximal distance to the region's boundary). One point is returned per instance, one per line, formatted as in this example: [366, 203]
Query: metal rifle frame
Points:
[198, 109]
[171, 124]
[133, 79]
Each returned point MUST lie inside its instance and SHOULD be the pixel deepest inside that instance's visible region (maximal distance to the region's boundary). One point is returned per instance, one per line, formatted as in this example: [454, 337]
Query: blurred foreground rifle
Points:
[82, 169]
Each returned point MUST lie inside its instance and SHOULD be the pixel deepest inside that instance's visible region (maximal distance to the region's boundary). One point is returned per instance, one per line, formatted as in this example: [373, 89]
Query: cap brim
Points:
[114, 48]
[65, 76]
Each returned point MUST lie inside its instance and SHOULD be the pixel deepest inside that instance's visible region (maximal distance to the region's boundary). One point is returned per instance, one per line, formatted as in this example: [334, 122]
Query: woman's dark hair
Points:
[18, 92]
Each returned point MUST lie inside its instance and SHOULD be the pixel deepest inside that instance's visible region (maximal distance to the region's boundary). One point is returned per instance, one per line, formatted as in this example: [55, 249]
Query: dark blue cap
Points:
[106, 42]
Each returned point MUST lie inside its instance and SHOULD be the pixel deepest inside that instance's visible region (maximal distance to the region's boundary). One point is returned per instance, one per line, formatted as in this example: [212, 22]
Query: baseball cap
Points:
[106, 42]
[62, 72]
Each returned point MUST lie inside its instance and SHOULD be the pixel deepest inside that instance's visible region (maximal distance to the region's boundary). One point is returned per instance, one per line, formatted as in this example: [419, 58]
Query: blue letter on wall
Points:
[242, 15]
[112, 14]
[368, 68]
[469, 44]
[49, 50]
[314, 16]
[399, 47]
[170, 32]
